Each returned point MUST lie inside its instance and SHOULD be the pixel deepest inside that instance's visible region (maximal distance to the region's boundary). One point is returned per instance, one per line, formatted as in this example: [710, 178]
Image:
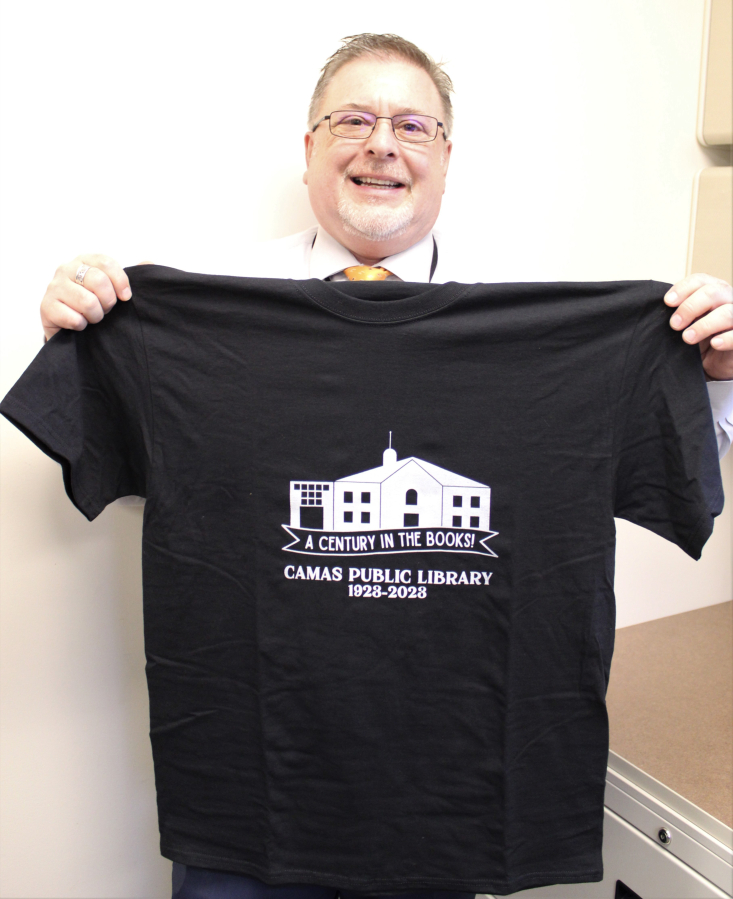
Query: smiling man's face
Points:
[378, 196]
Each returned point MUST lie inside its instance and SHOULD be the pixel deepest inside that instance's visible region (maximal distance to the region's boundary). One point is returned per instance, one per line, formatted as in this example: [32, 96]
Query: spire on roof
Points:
[389, 456]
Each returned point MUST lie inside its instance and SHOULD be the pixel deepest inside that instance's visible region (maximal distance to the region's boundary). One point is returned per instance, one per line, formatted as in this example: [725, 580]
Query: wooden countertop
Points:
[670, 704]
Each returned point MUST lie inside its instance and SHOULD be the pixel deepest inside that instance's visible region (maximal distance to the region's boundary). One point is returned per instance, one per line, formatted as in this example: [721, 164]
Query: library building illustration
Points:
[399, 493]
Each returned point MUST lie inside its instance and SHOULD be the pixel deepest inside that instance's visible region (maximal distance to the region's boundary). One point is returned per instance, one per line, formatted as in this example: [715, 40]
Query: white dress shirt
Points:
[313, 253]
[328, 259]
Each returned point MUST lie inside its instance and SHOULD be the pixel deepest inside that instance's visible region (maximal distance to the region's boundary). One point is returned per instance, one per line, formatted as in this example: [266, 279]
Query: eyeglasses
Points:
[356, 125]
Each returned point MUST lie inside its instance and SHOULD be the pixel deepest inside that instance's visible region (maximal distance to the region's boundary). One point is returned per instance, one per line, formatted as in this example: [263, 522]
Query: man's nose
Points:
[382, 141]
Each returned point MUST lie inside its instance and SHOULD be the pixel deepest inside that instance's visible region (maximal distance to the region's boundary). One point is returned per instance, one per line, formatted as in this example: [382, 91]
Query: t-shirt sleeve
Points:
[84, 400]
[667, 471]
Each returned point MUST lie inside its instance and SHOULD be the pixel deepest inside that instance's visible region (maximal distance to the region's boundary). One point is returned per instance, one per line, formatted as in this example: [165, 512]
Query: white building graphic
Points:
[408, 493]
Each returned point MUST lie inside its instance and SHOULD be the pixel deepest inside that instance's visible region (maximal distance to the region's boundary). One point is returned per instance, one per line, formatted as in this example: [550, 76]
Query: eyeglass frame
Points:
[376, 119]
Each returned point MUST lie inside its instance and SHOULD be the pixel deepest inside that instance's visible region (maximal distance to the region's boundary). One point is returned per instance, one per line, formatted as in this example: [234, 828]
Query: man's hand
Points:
[67, 304]
[704, 314]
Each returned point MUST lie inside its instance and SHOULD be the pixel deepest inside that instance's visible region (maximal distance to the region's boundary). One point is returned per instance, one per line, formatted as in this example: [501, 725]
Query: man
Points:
[377, 153]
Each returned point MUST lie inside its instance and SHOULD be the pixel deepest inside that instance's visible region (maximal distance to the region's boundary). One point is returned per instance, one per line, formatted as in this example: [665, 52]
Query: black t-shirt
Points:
[378, 556]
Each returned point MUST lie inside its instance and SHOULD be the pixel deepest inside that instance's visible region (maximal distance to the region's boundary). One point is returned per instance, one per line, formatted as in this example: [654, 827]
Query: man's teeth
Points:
[377, 182]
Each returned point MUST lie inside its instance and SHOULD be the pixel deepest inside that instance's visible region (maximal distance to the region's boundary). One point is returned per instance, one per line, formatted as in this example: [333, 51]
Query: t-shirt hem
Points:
[279, 877]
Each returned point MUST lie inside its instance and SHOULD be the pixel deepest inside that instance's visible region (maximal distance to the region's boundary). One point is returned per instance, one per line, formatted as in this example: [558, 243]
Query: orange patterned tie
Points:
[366, 273]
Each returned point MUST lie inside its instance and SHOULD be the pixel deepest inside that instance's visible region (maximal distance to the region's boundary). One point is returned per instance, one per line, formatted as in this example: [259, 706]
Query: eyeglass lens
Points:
[359, 125]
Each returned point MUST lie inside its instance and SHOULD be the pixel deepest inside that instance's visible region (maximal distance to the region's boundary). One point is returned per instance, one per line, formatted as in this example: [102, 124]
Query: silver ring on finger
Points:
[80, 273]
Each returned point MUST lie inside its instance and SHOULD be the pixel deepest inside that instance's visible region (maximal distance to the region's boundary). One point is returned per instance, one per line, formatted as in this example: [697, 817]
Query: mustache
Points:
[386, 172]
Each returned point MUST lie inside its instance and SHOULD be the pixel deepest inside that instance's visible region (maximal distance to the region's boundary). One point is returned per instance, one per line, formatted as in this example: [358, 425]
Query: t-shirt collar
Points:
[328, 257]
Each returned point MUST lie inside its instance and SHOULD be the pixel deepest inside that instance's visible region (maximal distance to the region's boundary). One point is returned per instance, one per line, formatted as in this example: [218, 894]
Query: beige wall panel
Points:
[711, 232]
[715, 125]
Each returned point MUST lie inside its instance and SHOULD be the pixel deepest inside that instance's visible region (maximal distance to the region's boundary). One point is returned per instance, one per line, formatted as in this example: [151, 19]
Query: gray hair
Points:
[386, 46]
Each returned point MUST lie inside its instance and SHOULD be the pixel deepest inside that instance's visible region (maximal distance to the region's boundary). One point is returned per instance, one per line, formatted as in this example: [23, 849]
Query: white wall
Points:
[141, 130]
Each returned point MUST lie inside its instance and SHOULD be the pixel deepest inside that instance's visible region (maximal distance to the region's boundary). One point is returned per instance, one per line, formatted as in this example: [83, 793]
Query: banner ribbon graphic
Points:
[387, 541]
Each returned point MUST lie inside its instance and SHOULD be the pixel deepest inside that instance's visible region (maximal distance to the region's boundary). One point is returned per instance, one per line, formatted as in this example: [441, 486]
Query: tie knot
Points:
[366, 273]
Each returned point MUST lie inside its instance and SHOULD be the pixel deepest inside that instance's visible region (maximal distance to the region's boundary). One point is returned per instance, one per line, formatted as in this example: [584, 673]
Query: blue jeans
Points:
[200, 883]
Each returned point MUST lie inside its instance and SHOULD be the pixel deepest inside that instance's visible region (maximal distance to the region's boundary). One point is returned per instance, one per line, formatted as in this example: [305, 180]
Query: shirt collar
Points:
[328, 257]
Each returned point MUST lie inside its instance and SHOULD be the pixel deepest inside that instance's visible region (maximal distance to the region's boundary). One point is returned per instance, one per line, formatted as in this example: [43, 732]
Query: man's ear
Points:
[309, 139]
[446, 155]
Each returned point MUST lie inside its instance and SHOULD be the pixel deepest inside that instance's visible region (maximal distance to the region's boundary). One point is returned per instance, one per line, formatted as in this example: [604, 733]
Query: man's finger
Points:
[706, 298]
[717, 322]
[110, 267]
[62, 316]
[723, 341]
[83, 301]
[684, 288]
[99, 283]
